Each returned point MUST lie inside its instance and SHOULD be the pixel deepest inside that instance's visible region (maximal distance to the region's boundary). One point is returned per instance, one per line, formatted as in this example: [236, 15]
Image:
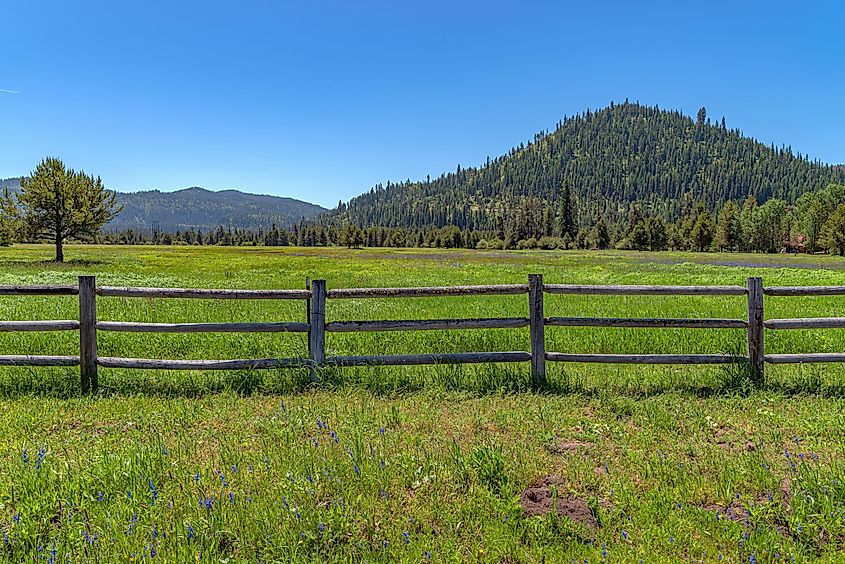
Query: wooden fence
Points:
[316, 327]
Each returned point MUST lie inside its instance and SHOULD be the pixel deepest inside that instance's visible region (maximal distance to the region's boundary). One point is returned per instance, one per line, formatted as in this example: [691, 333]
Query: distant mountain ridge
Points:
[198, 208]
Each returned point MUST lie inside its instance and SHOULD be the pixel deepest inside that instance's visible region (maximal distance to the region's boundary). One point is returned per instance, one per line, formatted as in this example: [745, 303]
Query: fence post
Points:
[756, 352]
[317, 329]
[88, 333]
[537, 330]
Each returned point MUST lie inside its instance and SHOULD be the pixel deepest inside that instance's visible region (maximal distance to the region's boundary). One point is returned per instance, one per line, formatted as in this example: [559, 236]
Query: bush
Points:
[527, 244]
[482, 244]
[497, 244]
[551, 243]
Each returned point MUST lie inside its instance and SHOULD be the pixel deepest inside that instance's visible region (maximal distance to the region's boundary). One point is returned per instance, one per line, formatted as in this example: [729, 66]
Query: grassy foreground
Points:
[658, 464]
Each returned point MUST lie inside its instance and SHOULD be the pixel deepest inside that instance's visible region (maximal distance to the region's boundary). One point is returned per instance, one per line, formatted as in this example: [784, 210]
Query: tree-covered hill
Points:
[608, 159]
[201, 209]
[204, 209]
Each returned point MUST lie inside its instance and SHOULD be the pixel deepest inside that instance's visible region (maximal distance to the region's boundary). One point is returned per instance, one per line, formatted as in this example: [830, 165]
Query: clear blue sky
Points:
[321, 100]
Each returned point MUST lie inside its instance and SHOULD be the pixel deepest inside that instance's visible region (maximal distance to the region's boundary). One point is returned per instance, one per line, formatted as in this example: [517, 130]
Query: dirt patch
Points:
[561, 447]
[543, 499]
[735, 512]
[786, 493]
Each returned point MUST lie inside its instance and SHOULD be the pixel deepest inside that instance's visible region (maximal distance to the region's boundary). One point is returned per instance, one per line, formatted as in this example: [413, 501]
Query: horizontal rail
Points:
[645, 358]
[492, 290]
[54, 325]
[426, 324]
[55, 290]
[132, 327]
[618, 290]
[192, 293]
[424, 359]
[646, 322]
[804, 290]
[806, 323]
[34, 360]
[156, 364]
[802, 358]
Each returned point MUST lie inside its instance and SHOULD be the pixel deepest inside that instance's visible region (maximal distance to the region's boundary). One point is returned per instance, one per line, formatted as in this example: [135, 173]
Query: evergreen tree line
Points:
[815, 222]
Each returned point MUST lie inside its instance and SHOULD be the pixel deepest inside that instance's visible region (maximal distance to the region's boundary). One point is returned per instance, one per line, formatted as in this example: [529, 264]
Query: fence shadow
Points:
[385, 382]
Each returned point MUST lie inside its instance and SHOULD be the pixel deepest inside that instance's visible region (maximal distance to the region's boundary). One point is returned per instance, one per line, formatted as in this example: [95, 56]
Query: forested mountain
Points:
[662, 161]
[200, 209]
[203, 209]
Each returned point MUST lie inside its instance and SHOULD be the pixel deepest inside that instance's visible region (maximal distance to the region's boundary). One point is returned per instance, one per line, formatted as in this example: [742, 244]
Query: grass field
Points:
[385, 464]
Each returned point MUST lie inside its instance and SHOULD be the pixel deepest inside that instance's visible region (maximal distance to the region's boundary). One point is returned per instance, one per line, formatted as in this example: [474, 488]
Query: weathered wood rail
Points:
[315, 325]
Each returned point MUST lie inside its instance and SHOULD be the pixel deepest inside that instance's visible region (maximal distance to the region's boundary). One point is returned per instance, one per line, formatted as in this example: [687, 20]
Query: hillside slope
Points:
[609, 158]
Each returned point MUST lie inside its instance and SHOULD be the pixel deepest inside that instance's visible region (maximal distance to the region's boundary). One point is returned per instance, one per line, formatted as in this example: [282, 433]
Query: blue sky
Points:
[320, 100]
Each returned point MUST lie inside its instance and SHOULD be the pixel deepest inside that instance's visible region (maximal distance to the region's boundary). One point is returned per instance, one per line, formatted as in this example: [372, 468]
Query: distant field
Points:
[386, 464]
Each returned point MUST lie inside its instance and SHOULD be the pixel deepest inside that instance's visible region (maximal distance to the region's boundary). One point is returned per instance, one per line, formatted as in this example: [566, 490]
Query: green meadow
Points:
[440, 463]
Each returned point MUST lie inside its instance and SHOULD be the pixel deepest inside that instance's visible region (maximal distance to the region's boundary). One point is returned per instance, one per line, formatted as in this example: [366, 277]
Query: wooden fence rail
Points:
[316, 295]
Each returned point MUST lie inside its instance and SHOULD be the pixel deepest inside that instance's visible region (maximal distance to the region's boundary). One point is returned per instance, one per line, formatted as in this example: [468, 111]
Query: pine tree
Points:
[58, 203]
[727, 227]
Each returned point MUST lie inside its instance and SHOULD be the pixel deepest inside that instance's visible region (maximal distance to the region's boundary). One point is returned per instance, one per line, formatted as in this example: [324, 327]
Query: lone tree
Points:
[59, 203]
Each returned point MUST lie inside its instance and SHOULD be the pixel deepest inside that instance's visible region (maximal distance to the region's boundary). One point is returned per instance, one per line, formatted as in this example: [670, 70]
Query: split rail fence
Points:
[316, 327]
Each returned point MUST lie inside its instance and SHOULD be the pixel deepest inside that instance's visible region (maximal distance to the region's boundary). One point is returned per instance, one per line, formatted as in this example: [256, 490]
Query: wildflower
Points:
[153, 550]
[25, 458]
[164, 450]
[132, 523]
[207, 503]
[625, 535]
[384, 544]
[232, 497]
[335, 437]
[40, 458]
[234, 469]
[99, 496]
[428, 554]
[322, 528]
[603, 552]
[671, 539]
[153, 491]
[16, 518]
[381, 431]
[407, 537]
[197, 477]
[357, 470]
[191, 534]
[383, 494]
[284, 408]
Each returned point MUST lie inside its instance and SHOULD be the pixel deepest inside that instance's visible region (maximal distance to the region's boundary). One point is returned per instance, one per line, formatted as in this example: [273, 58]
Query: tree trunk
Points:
[60, 255]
